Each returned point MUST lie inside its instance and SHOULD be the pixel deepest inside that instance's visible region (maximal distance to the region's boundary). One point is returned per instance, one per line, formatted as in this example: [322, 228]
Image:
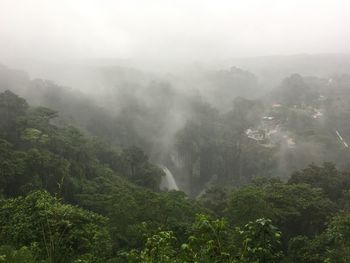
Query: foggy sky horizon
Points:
[171, 31]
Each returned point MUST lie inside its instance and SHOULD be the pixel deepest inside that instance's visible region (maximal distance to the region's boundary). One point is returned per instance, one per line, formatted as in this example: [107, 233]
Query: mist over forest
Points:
[155, 131]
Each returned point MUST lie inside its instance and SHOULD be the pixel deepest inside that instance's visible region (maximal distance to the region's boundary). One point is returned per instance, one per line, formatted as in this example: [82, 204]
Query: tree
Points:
[134, 212]
[244, 114]
[10, 255]
[333, 245]
[294, 90]
[141, 171]
[215, 199]
[326, 177]
[11, 108]
[296, 209]
[158, 249]
[212, 240]
[47, 170]
[53, 231]
[248, 204]
[259, 242]
[197, 145]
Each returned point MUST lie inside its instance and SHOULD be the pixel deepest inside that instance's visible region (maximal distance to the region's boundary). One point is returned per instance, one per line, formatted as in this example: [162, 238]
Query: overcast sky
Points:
[171, 29]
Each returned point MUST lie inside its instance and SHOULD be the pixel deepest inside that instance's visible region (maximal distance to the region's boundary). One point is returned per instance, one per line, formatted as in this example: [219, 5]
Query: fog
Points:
[192, 83]
[174, 131]
[165, 30]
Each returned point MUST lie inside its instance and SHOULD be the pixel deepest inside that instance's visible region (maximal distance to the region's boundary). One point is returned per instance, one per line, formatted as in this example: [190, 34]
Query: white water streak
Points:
[168, 181]
[341, 139]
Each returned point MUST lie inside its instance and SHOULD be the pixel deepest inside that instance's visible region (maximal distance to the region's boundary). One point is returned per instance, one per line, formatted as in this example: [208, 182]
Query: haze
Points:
[174, 131]
[171, 30]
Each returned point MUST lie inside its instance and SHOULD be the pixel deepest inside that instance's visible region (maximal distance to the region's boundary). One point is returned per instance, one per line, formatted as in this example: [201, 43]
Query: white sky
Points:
[171, 29]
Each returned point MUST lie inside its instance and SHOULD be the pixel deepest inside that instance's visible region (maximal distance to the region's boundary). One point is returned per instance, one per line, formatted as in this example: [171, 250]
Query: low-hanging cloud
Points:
[171, 30]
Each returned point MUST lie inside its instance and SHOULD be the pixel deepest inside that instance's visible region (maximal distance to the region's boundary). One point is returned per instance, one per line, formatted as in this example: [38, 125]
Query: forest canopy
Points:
[71, 193]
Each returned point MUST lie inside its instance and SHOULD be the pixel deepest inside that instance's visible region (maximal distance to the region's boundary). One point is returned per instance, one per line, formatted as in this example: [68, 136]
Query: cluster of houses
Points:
[270, 131]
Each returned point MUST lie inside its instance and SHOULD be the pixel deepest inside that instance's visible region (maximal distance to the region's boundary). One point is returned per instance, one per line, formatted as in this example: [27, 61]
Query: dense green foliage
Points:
[70, 194]
[37, 154]
[53, 231]
[214, 241]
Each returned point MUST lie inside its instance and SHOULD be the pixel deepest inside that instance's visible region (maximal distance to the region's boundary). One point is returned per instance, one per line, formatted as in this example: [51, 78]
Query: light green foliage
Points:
[31, 134]
[158, 249]
[339, 233]
[212, 240]
[53, 231]
[209, 241]
[259, 242]
[34, 136]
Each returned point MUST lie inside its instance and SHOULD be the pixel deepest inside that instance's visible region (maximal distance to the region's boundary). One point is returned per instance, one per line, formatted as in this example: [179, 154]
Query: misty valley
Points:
[197, 165]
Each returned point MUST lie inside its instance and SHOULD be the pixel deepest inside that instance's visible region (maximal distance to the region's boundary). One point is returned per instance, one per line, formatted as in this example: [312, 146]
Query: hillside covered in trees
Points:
[169, 131]
[265, 180]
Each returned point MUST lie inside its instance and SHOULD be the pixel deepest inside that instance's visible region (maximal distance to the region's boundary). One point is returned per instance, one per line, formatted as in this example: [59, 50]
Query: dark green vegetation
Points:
[75, 188]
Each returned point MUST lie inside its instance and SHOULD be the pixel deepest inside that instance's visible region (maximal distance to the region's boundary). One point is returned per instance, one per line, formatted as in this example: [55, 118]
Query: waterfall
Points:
[341, 139]
[168, 181]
